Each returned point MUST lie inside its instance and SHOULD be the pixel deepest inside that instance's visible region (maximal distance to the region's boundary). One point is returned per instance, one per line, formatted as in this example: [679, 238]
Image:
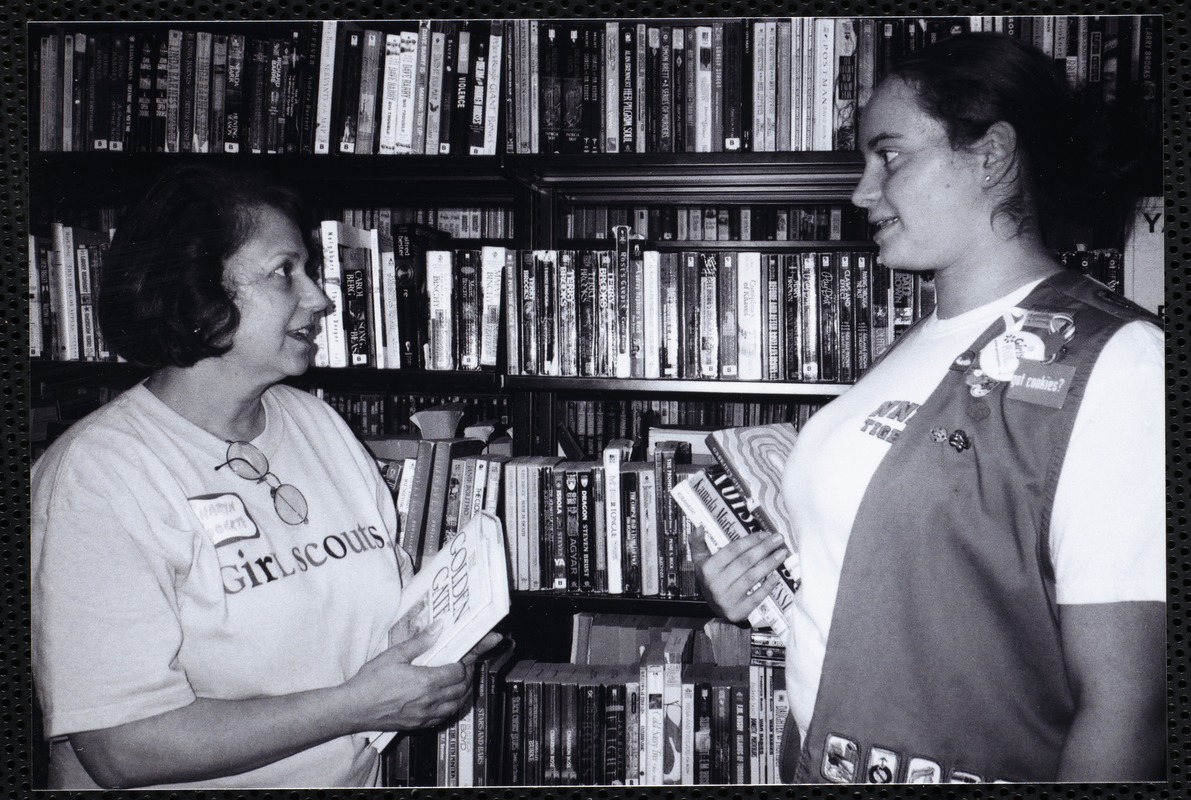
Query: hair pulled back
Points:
[1075, 157]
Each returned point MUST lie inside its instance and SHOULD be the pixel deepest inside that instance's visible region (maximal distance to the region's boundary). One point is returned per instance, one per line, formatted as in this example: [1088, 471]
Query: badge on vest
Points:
[841, 757]
[881, 766]
[1025, 356]
[923, 770]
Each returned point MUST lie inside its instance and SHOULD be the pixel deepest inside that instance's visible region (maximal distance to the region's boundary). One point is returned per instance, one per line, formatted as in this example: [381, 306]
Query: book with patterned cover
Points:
[755, 459]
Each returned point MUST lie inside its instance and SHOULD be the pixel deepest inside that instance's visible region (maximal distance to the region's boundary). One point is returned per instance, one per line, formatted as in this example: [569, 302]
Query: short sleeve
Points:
[106, 631]
[1108, 524]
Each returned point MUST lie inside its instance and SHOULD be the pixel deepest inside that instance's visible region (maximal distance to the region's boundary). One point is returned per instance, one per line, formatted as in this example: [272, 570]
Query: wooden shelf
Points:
[692, 177]
[60, 182]
[673, 386]
[764, 245]
[400, 381]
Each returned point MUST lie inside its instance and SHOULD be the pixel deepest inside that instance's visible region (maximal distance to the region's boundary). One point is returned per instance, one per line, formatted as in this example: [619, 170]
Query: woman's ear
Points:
[997, 150]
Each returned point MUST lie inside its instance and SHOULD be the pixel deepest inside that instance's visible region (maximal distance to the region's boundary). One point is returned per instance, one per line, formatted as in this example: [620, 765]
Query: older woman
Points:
[983, 590]
[214, 569]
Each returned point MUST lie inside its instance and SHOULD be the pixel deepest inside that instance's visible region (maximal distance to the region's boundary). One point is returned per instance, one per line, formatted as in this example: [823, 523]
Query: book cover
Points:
[755, 459]
[701, 496]
[464, 586]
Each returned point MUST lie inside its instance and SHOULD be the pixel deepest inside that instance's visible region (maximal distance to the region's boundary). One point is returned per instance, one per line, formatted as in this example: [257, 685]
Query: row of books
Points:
[399, 302]
[455, 222]
[63, 273]
[821, 222]
[706, 314]
[592, 424]
[387, 414]
[769, 84]
[373, 276]
[644, 701]
[479, 87]
[314, 87]
[604, 525]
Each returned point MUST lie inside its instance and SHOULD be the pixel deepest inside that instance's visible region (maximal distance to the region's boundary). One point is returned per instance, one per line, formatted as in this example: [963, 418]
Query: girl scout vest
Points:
[944, 661]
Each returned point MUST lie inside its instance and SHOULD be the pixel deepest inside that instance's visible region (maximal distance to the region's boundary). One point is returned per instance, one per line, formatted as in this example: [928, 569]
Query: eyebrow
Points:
[875, 140]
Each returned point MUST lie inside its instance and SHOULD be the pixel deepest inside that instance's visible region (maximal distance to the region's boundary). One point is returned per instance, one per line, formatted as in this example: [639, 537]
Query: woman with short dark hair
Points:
[980, 519]
[214, 561]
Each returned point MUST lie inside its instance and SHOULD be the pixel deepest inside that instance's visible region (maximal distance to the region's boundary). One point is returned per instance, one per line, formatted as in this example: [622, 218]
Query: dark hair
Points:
[162, 299]
[1073, 155]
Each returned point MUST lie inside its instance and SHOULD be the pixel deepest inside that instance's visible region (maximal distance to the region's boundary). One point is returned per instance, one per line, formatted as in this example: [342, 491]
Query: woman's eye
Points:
[887, 156]
[285, 270]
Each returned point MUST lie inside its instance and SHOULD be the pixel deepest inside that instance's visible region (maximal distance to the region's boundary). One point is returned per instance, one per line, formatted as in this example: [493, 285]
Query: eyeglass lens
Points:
[250, 463]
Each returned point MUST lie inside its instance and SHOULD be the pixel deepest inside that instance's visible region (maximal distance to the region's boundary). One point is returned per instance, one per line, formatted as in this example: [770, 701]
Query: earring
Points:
[987, 178]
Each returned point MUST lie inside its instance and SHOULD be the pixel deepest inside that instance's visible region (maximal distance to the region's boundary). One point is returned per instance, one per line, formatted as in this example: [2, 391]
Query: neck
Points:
[990, 274]
[222, 407]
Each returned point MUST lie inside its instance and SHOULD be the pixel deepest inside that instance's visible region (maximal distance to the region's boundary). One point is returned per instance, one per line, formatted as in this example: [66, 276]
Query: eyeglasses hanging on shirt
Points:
[247, 461]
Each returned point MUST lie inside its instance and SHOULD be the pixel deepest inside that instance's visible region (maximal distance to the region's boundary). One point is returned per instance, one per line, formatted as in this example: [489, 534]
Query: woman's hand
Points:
[391, 694]
[736, 578]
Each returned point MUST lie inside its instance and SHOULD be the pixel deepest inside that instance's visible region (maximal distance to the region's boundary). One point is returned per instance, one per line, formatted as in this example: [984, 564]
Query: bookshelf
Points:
[540, 188]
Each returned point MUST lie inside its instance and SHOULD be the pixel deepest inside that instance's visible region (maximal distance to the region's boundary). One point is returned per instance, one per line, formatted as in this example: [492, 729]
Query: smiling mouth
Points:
[305, 334]
[881, 224]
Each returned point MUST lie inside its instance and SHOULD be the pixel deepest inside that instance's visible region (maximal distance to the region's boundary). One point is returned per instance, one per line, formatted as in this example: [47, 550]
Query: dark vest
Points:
[944, 659]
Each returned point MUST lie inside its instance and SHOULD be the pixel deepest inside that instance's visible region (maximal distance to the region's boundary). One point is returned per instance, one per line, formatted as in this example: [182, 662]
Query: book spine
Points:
[845, 293]
[82, 262]
[461, 93]
[810, 317]
[703, 107]
[232, 105]
[628, 89]
[844, 101]
[477, 90]
[333, 287]
[434, 91]
[570, 100]
[829, 317]
[568, 328]
[65, 288]
[709, 356]
[440, 291]
[496, 62]
[421, 101]
[822, 114]
[467, 277]
[357, 297]
[371, 59]
[752, 317]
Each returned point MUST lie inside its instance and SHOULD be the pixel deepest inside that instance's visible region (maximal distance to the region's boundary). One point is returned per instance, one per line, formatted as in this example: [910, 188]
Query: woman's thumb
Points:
[413, 646]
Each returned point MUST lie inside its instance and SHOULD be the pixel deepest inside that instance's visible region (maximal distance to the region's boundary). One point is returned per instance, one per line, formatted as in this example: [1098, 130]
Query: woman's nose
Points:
[866, 191]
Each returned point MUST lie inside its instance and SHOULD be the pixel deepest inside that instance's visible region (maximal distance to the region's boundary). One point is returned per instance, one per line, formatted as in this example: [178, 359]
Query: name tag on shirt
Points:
[224, 518]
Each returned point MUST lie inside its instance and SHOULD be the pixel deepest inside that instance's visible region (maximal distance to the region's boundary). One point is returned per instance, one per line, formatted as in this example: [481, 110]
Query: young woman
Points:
[214, 569]
[980, 518]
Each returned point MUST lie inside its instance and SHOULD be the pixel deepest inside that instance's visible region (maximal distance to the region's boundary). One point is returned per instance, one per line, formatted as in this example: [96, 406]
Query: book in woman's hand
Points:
[465, 585]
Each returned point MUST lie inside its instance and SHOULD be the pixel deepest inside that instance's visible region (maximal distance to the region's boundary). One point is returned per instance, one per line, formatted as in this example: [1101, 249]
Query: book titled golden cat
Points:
[465, 584]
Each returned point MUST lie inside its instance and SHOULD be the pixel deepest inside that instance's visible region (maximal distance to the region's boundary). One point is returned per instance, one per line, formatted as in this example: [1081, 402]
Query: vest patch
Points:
[881, 766]
[841, 757]
[1043, 384]
[923, 770]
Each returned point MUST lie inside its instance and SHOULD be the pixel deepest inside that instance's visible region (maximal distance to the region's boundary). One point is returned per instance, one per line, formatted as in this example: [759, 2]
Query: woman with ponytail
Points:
[980, 518]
